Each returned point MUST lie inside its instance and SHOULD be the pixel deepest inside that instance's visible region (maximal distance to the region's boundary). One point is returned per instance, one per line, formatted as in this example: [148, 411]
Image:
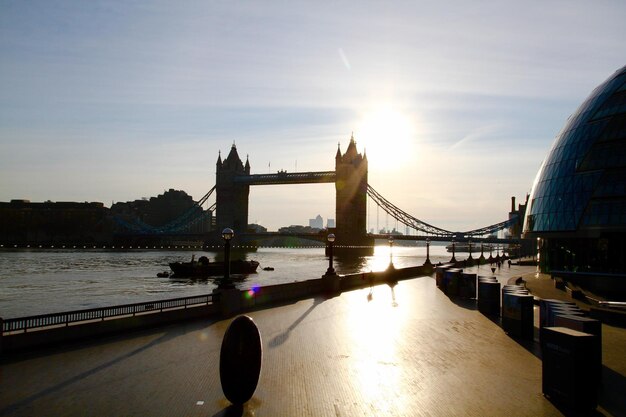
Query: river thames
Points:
[47, 281]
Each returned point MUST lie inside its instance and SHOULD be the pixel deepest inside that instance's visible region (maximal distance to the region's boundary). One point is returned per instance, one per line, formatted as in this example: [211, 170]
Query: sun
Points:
[388, 137]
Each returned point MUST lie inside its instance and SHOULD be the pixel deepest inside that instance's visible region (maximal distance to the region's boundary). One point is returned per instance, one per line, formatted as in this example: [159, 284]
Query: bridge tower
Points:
[351, 196]
[231, 196]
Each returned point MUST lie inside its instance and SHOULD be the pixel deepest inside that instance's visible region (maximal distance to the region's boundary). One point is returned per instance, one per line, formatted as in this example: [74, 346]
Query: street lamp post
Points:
[453, 251]
[427, 251]
[227, 235]
[390, 239]
[331, 240]
[481, 260]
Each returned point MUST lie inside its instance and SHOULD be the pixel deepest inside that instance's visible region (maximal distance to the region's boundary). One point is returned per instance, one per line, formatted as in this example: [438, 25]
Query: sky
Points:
[456, 103]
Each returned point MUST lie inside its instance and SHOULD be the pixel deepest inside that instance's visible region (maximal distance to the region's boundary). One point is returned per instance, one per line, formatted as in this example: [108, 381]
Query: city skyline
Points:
[456, 105]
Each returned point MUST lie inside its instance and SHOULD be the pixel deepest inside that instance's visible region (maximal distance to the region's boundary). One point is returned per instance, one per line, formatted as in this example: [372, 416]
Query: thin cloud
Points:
[477, 134]
[344, 59]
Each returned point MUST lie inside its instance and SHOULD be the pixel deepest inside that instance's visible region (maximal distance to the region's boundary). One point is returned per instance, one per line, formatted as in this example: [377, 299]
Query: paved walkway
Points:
[406, 351]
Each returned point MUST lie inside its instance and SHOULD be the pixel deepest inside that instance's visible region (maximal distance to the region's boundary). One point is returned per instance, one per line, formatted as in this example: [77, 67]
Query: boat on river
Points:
[464, 247]
[205, 268]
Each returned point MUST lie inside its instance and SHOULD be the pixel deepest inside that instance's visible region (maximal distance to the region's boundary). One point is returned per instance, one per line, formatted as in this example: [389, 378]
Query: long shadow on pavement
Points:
[11, 408]
[612, 397]
[282, 338]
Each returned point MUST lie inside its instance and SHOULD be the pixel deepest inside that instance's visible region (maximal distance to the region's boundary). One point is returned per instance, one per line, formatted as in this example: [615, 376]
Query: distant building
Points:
[330, 223]
[172, 211]
[24, 223]
[515, 230]
[393, 231]
[257, 228]
[50, 223]
[316, 223]
[296, 229]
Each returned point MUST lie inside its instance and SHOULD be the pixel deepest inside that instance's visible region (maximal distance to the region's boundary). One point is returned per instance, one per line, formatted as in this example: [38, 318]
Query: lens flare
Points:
[252, 292]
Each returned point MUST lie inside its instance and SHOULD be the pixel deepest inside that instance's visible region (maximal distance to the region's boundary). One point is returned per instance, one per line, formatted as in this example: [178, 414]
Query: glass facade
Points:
[577, 206]
[582, 182]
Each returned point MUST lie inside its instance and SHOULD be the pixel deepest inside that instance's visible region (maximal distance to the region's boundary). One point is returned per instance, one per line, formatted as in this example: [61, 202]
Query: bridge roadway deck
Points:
[410, 351]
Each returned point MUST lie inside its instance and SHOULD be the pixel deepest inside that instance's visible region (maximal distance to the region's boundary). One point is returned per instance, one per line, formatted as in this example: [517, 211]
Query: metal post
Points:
[227, 260]
[331, 240]
[227, 234]
[453, 251]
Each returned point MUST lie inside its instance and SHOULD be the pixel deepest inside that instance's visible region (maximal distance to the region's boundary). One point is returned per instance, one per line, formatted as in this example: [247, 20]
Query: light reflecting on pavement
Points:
[375, 327]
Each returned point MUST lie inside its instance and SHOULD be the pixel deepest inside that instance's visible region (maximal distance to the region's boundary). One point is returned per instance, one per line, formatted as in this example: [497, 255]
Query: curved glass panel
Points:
[578, 182]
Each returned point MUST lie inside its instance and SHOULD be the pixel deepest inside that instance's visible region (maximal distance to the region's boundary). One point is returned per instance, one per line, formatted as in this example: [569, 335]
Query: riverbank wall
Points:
[37, 332]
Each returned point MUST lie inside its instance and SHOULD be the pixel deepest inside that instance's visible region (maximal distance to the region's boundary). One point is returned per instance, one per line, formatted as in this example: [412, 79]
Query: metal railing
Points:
[72, 317]
[613, 304]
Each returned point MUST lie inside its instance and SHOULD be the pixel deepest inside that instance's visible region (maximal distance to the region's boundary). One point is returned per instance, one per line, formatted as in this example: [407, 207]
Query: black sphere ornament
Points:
[240, 360]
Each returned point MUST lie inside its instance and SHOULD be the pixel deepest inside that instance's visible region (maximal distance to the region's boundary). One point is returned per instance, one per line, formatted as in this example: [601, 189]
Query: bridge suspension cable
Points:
[403, 217]
[491, 229]
[415, 223]
[190, 217]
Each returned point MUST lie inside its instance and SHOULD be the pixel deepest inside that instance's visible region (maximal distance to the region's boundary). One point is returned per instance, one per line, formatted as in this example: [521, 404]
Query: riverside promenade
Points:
[406, 350]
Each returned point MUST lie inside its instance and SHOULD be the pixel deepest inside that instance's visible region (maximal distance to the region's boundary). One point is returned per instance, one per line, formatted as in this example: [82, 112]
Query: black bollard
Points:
[241, 356]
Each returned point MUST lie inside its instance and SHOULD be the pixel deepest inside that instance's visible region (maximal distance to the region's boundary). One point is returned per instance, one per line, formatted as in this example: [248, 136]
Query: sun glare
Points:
[388, 137]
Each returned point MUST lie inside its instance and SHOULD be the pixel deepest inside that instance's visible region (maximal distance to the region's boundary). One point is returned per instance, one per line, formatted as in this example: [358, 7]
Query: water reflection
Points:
[47, 281]
[346, 264]
[379, 261]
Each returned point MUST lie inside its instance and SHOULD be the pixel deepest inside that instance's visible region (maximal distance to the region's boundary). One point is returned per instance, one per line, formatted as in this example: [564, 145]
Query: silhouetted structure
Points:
[231, 195]
[351, 192]
[173, 215]
[515, 230]
[517, 215]
[68, 224]
[54, 223]
[233, 181]
[155, 215]
[298, 229]
[577, 206]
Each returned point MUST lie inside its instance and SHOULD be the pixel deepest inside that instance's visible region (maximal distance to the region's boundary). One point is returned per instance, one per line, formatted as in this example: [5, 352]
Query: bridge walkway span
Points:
[282, 177]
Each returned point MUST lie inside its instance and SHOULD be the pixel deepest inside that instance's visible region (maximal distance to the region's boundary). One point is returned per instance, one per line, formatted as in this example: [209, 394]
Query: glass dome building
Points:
[577, 206]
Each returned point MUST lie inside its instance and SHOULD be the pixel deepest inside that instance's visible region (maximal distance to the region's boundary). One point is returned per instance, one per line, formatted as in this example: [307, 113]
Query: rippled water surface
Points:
[46, 281]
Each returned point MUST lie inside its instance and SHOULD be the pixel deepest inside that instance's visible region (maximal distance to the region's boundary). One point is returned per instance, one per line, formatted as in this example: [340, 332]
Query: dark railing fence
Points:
[71, 317]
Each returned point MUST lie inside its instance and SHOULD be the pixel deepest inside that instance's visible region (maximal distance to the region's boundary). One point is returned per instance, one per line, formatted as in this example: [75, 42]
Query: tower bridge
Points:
[233, 181]
[232, 188]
